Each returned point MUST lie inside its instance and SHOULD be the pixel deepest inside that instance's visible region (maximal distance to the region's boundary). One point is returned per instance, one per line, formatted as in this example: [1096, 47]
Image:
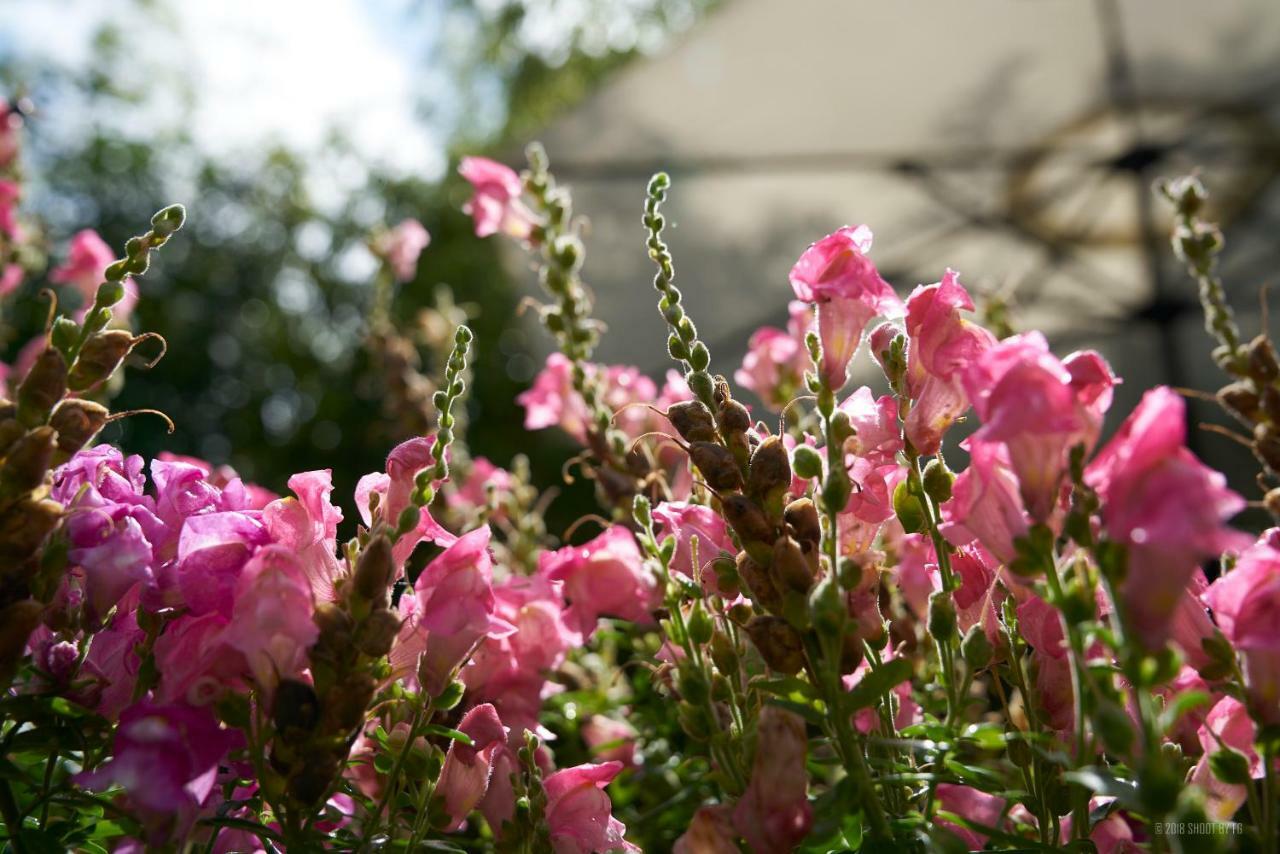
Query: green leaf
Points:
[1103, 783]
[804, 710]
[1181, 705]
[877, 683]
[446, 732]
[787, 687]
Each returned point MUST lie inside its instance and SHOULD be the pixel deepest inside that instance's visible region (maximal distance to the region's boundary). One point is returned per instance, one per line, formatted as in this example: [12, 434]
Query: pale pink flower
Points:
[875, 419]
[610, 740]
[942, 345]
[495, 203]
[985, 504]
[579, 813]
[307, 525]
[1246, 605]
[1226, 725]
[88, 257]
[776, 359]
[552, 401]
[271, 621]
[835, 275]
[394, 492]
[603, 577]
[401, 246]
[473, 493]
[686, 522]
[10, 278]
[1165, 506]
[464, 778]
[194, 663]
[774, 814]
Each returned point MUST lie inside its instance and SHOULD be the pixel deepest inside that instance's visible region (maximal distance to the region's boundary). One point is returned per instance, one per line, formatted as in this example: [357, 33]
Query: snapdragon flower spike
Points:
[1246, 606]
[1039, 409]
[1165, 506]
[495, 203]
[836, 276]
[943, 344]
[464, 778]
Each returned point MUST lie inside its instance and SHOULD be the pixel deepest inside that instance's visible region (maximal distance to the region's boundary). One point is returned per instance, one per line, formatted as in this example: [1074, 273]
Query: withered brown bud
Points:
[23, 527]
[1271, 403]
[747, 519]
[1266, 446]
[802, 516]
[1241, 400]
[851, 653]
[11, 430]
[99, 358]
[374, 570]
[770, 468]
[27, 462]
[1272, 502]
[724, 653]
[1263, 366]
[377, 632]
[17, 621]
[345, 704]
[331, 619]
[733, 417]
[693, 421]
[44, 385]
[780, 645]
[760, 585]
[312, 780]
[295, 710]
[77, 421]
[791, 566]
[717, 466]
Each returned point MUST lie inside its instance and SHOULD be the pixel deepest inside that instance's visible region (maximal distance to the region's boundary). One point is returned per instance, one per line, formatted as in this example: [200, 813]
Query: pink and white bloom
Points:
[774, 814]
[1246, 605]
[836, 276]
[579, 812]
[875, 420]
[393, 491]
[776, 359]
[495, 203]
[603, 577]
[942, 345]
[687, 522]
[1165, 506]
[401, 246]
[1226, 725]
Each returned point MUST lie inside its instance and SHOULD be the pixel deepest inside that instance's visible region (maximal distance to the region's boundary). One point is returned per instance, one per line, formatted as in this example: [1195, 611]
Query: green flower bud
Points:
[942, 616]
[938, 480]
[907, 508]
[976, 648]
[807, 461]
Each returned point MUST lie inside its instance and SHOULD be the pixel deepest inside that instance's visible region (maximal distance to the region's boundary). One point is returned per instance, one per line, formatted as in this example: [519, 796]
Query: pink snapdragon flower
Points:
[464, 778]
[472, 494]
[1246, 605]
[603, 577]
[985, 504]
[308, 526]
[1039, 408]
[710, 832]
[942, 345]
[401, 246]
[88, 257]
[193, 660]
[835, 275]
[166, 758]
[774, 814]
[10, 136]
[451, 610]
[579, 813]
[875, 420]
[271, 621]
[11, 276]
[686, 522]
[495, 203]
[973, 804]
[1226, 725]
[10, 193]
[393, 491]
[1165, 506]
[552, 400]
[610, 740]
[776, 359]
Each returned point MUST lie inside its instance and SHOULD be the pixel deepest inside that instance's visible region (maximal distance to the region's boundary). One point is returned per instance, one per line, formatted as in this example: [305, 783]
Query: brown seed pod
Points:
[747, 519]
[99, 358]
[1263, 366]
[27, 462]
[693, 421]
[802, 516]
[717, 466]
[377, 633]
[759, 583]
[1271, 403]
[44, 385]
[779, 644]
[23, 527]
[1241, 400]
[791, 567]
[1266, 446]
[17, 621]
[374, 570]
[733, 417]
[770, 468]
[77, 421]
[345, 704]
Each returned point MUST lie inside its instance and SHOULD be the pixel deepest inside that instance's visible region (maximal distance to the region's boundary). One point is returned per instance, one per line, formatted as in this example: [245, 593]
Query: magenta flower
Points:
[985, 504]
[685, 522]
[1039, 408]
[972, 804]
[774, 813]
[579, 813]
[495, 203]
[271, 621]
[10, 193]
[1246, 605]
[464, 778]
[193, 660]
[835, 275]
[942, 345]
[166, 758]
[603, 577]
[1165, 506]
[307, 525]
[552, 402]
[451, 611]
[394, 490]
[473, 493]
[401, 246]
